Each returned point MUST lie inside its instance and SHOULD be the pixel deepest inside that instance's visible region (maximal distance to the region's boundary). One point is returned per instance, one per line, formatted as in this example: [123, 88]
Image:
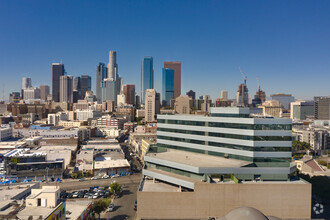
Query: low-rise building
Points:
[6, 133]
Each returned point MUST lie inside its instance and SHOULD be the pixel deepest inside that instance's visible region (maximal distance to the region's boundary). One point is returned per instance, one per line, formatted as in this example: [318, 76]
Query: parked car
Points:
[111, 206]
[115, 176]
[95, 178]
[105, 176]
[82, 179]
[90, 196]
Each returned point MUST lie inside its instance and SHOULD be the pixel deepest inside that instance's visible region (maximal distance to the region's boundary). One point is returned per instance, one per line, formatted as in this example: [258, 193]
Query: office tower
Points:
[300, 110]
[191, 94]
[168, 86]
[77, 84]
[86, 85]
[57, 71]
[242, 96]
[284, 99]
[26, 83]
[121, 99]
[176, 66]
[212, 158]
[322, 107]
[44, 92]
[271, 108]
[113, 66]
[14, 97]
[147, 76]
[101, 74]
[31, 93]
[224, 95]
[109, 90]
[129, 92]
[66, 89]
[152, 105]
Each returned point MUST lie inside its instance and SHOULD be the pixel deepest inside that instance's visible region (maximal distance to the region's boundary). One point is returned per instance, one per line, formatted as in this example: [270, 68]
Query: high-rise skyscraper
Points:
[77, 83]
[147, 76]
[113, 66]
[44, 92]
[86, 85]
[322, 107]
[66, 89]
[152, 105]
[26, 83]
[101, 74]
[57, 71]
[224, 95]
[242, 96]
[191, 94]
[109, 90]
[129, 92]
[168, 86]
[176, 66]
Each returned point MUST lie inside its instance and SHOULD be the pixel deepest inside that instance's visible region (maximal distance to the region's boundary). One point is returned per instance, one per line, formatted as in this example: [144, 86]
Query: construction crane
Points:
[244, 77]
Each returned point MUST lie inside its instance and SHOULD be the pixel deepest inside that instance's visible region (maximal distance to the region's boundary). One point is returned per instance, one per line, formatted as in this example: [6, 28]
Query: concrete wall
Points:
[290, 201]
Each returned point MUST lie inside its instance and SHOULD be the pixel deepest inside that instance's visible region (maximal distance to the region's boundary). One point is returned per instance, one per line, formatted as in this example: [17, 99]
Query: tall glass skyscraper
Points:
[86, 85]
[58, 71]
[168, 86]
[147, 76]
[101, 74]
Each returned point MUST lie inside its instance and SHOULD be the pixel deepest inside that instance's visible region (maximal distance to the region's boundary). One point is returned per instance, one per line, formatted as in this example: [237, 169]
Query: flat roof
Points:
[111, 164]
[198, 160]
[34, 211]
[151, 186]
[74, 208]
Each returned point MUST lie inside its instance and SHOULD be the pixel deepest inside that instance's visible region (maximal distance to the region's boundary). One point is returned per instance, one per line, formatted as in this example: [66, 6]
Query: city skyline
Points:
[283, 44]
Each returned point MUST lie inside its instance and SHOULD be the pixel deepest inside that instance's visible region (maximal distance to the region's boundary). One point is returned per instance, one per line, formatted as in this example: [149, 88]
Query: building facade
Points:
[152, 105]
[284, 99]
[86, 85]
[57, 71]
[176, 66]
[168, 86]
[147, 76]
[322, 107]
[66, 88]
[129, 92]
[101, 74]
[44, 92]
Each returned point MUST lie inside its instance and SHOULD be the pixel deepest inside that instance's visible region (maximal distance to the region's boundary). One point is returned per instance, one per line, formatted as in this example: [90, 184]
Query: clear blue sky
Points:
[285, 43]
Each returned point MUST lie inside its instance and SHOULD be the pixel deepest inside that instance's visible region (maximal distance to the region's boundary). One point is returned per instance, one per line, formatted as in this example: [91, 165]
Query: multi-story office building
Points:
[26, 83]
[284, 99]
[224, 95]
[232, 157]
[129, 92]
[147, 76]
[168, 86]
[57, 71]
[242, 96]
[14, 97]
[66, 89]
[258, 147]
[191, 94]
[272, 108]
[44, 92]
[101, 74]
[86, 85]
[300, 110]
[5, 133]
[77, 84]
[152, 105]
[112, 65]
[109, 90]
[322, 107]
[176, 66]
[31, 93]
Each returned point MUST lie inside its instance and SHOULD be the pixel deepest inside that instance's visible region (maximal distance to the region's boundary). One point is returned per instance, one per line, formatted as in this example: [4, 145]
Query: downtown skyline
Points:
[283, 44]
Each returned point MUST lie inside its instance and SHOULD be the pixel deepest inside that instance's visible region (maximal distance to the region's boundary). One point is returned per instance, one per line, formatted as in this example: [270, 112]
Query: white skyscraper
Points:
[112, 66]
[26, 83]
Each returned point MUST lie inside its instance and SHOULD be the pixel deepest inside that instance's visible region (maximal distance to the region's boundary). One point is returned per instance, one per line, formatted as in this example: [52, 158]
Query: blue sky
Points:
[286, 44]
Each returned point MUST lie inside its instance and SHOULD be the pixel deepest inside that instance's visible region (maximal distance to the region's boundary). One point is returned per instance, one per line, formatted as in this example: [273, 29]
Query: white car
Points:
[115, 176]
[105, 176]
[111, 206]
[95, 178]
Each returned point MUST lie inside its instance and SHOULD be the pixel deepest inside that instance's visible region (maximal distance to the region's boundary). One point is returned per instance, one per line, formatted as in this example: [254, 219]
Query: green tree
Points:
[300, 146]
[115, 188]
[100, 206]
